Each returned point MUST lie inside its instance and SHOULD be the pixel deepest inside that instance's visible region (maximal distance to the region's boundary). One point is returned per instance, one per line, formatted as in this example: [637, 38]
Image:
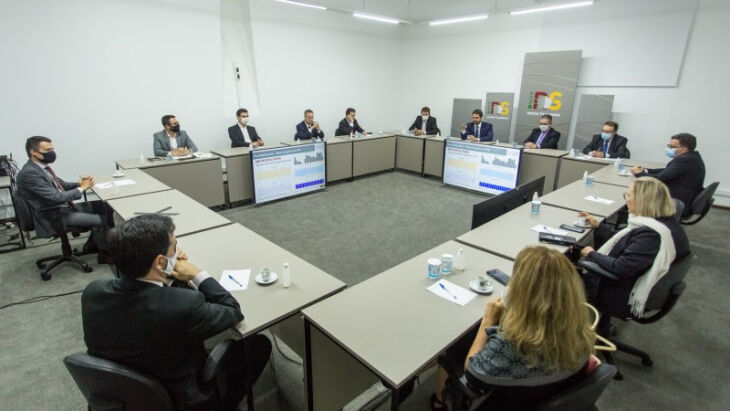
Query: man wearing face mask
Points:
[544, 136]
[424, 124]
[608, 144]
[349, 125]
[39, 185]
[477, 130]
[308, 129]
[139, 321]
[241, 134]
[684, 174]
[172, 140]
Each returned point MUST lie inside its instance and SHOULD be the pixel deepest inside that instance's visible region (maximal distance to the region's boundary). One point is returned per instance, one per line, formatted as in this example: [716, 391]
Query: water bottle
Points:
[587, 178]
[496, 142]
[459, 264]
[142, 158]
[285, 275]
[169, 156]
[535, 204]
[620, 165]
[572, 152]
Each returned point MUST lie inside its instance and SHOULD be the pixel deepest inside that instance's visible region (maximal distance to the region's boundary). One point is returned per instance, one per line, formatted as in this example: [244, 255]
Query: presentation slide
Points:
[486, 168]
[287, 171]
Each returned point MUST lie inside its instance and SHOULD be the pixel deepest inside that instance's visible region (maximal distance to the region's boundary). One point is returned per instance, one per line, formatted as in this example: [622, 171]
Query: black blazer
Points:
[158, 330]
[431, 127]
[629, 259]
[684, 176]
[616, 147]
[550, 141]
[343, 129]
[236, 136]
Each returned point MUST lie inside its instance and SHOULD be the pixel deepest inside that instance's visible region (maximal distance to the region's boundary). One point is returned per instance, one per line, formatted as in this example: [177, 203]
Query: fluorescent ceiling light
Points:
[296, 3]
[458, 20]
[551, 8]
[376, 18]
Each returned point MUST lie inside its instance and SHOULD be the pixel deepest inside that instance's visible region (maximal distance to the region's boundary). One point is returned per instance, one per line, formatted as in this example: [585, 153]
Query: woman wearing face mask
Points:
[424, 124]
[608, 144]
[640, 254]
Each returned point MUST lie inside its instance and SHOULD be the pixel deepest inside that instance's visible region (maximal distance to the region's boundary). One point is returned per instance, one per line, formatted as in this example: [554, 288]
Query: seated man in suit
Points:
[349, 125]
[684, 174]
[308, 129]
[424, 124]
[172, 140]
[241, 134]
[477, 130]
[608, 144]
[139, 321]
[545, 136]
[39, 185]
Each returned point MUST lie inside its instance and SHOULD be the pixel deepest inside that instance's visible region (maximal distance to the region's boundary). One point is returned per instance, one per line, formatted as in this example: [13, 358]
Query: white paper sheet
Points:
[599, 200]
[235, 280]
[110, 184]
[201, 154]
[542, 228]
[452, 292]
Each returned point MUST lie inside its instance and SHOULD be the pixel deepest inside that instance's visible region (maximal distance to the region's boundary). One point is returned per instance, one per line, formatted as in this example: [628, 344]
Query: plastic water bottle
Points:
[285, 275]
[572, 152]
[620, 164]
[535, 204]
[459, 264]
[169, 156]
[142, 158]
[587, 178]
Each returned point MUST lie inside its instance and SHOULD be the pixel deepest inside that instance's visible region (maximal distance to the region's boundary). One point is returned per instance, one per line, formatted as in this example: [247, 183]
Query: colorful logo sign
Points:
[496, 107]
[549, 101]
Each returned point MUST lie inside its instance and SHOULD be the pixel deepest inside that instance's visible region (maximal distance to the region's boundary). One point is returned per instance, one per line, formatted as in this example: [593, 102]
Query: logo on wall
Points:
[496, 107]
[549, 101]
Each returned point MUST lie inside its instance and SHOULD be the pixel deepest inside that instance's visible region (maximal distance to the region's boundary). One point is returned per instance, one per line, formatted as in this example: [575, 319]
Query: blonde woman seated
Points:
[531, 345]
[639, 255]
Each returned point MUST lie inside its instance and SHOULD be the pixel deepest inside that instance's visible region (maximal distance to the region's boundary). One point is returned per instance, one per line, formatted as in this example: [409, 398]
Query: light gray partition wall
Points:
[548, 87]
[593, 110]
[461, 114]
[498, 111]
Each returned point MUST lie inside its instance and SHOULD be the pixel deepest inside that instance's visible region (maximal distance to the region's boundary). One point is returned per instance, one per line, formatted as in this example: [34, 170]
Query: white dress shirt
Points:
[244, 131]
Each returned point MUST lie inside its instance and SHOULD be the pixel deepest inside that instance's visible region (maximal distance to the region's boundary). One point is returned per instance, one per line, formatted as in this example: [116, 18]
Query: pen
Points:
[447, 290]
[234, 280]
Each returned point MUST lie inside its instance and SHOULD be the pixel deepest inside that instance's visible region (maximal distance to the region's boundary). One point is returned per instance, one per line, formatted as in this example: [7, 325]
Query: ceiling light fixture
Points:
[376, 18]
[296, 3]
[551, 8]
[458, 20]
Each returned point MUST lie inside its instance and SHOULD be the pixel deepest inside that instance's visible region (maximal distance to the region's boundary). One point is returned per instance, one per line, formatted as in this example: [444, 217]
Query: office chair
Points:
[109, 386]
[580, 396]
[662, 298]
[701, 204]
[25, 212]
[679, 206]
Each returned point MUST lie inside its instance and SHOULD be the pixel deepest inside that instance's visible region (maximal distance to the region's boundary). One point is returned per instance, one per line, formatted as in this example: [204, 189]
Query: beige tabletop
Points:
[549, 152]
[143, 184]
[422, 137]
[231, 151]
[366, 137]
[238, 248]
[573, 197]
[157, 162]
[393, 324]
[510, 233]
[610, 175]
[589, 159]
[4, 182]
[190, 217]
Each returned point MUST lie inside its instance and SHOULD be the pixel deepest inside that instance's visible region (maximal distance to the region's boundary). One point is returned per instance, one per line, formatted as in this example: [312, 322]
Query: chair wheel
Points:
[45, 276]
[87, 268]
[647, 362]
[618, 376]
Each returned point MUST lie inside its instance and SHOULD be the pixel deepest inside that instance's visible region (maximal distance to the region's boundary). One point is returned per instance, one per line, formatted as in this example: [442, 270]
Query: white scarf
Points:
[662, 261]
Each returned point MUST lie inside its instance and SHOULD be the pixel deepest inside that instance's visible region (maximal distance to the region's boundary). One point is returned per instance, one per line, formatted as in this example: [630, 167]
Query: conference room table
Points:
[188, 215]
[372, 153]
[389, 327]
[410, 151]
[134, 182]
[597, 199]
[573, 167]
[507, 235]
[338, 152]
[538, 162]
[433, 156]
[610, 174]
[235, 247]
[237, 163]
[199, 178]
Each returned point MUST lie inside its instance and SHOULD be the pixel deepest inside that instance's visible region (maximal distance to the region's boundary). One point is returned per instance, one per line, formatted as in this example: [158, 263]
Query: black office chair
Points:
[25, 213]
[580, 396]
[108, 386]
[701, 204]
[679, 206]
[662, 298]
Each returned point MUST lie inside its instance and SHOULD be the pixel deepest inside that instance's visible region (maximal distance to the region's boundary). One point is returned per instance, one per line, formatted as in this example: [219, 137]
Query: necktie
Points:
[57, 183]
[542, 137]
[477, 127]
[605, 147]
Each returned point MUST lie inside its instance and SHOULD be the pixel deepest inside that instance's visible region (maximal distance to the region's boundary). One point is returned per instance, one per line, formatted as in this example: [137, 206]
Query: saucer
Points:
[575, 223]
[625, 173]
[272, 279]
[474, 285]
[118, 174]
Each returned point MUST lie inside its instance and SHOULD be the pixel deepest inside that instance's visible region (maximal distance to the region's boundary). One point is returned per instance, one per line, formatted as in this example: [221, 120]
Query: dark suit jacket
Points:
[550, 141]
[684, 176]
[616, 146]
[161, 145]
[485, 132]
[304, 134]
[236, 135]
[157, 330]
[344, 129]
[629, 259]
[431, 127]
[37, 188]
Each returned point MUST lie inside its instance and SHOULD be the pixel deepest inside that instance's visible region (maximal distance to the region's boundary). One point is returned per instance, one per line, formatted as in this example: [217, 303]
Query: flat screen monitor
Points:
[287, 171]
[496, 206]
[481, 167]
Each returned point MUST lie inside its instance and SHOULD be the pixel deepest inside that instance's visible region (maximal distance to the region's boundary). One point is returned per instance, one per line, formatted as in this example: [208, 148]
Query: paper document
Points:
[110, 184]
[181, 157]
[235, 280]
[542, 228]
[599, 200]
[452, 292]
[201, 154]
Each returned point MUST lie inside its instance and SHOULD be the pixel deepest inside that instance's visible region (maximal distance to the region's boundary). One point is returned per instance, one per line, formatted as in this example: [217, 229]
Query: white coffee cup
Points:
[266, 274]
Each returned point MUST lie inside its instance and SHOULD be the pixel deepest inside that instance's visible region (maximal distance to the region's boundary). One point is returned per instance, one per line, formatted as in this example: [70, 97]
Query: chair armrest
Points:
[216, 359]
[595, 268]
[467, 389]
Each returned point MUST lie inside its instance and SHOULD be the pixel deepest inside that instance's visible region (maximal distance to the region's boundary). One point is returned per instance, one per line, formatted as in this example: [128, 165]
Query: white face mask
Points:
[170, 264]
[244, 121]
[425, 118]
[544, 127]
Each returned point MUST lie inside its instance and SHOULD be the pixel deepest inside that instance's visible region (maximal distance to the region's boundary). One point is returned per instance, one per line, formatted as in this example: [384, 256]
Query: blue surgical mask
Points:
[670, 152]
[606, 136]
[170, 263]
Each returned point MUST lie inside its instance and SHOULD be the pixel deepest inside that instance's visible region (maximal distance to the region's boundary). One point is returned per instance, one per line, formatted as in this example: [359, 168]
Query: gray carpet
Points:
[354, 231]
